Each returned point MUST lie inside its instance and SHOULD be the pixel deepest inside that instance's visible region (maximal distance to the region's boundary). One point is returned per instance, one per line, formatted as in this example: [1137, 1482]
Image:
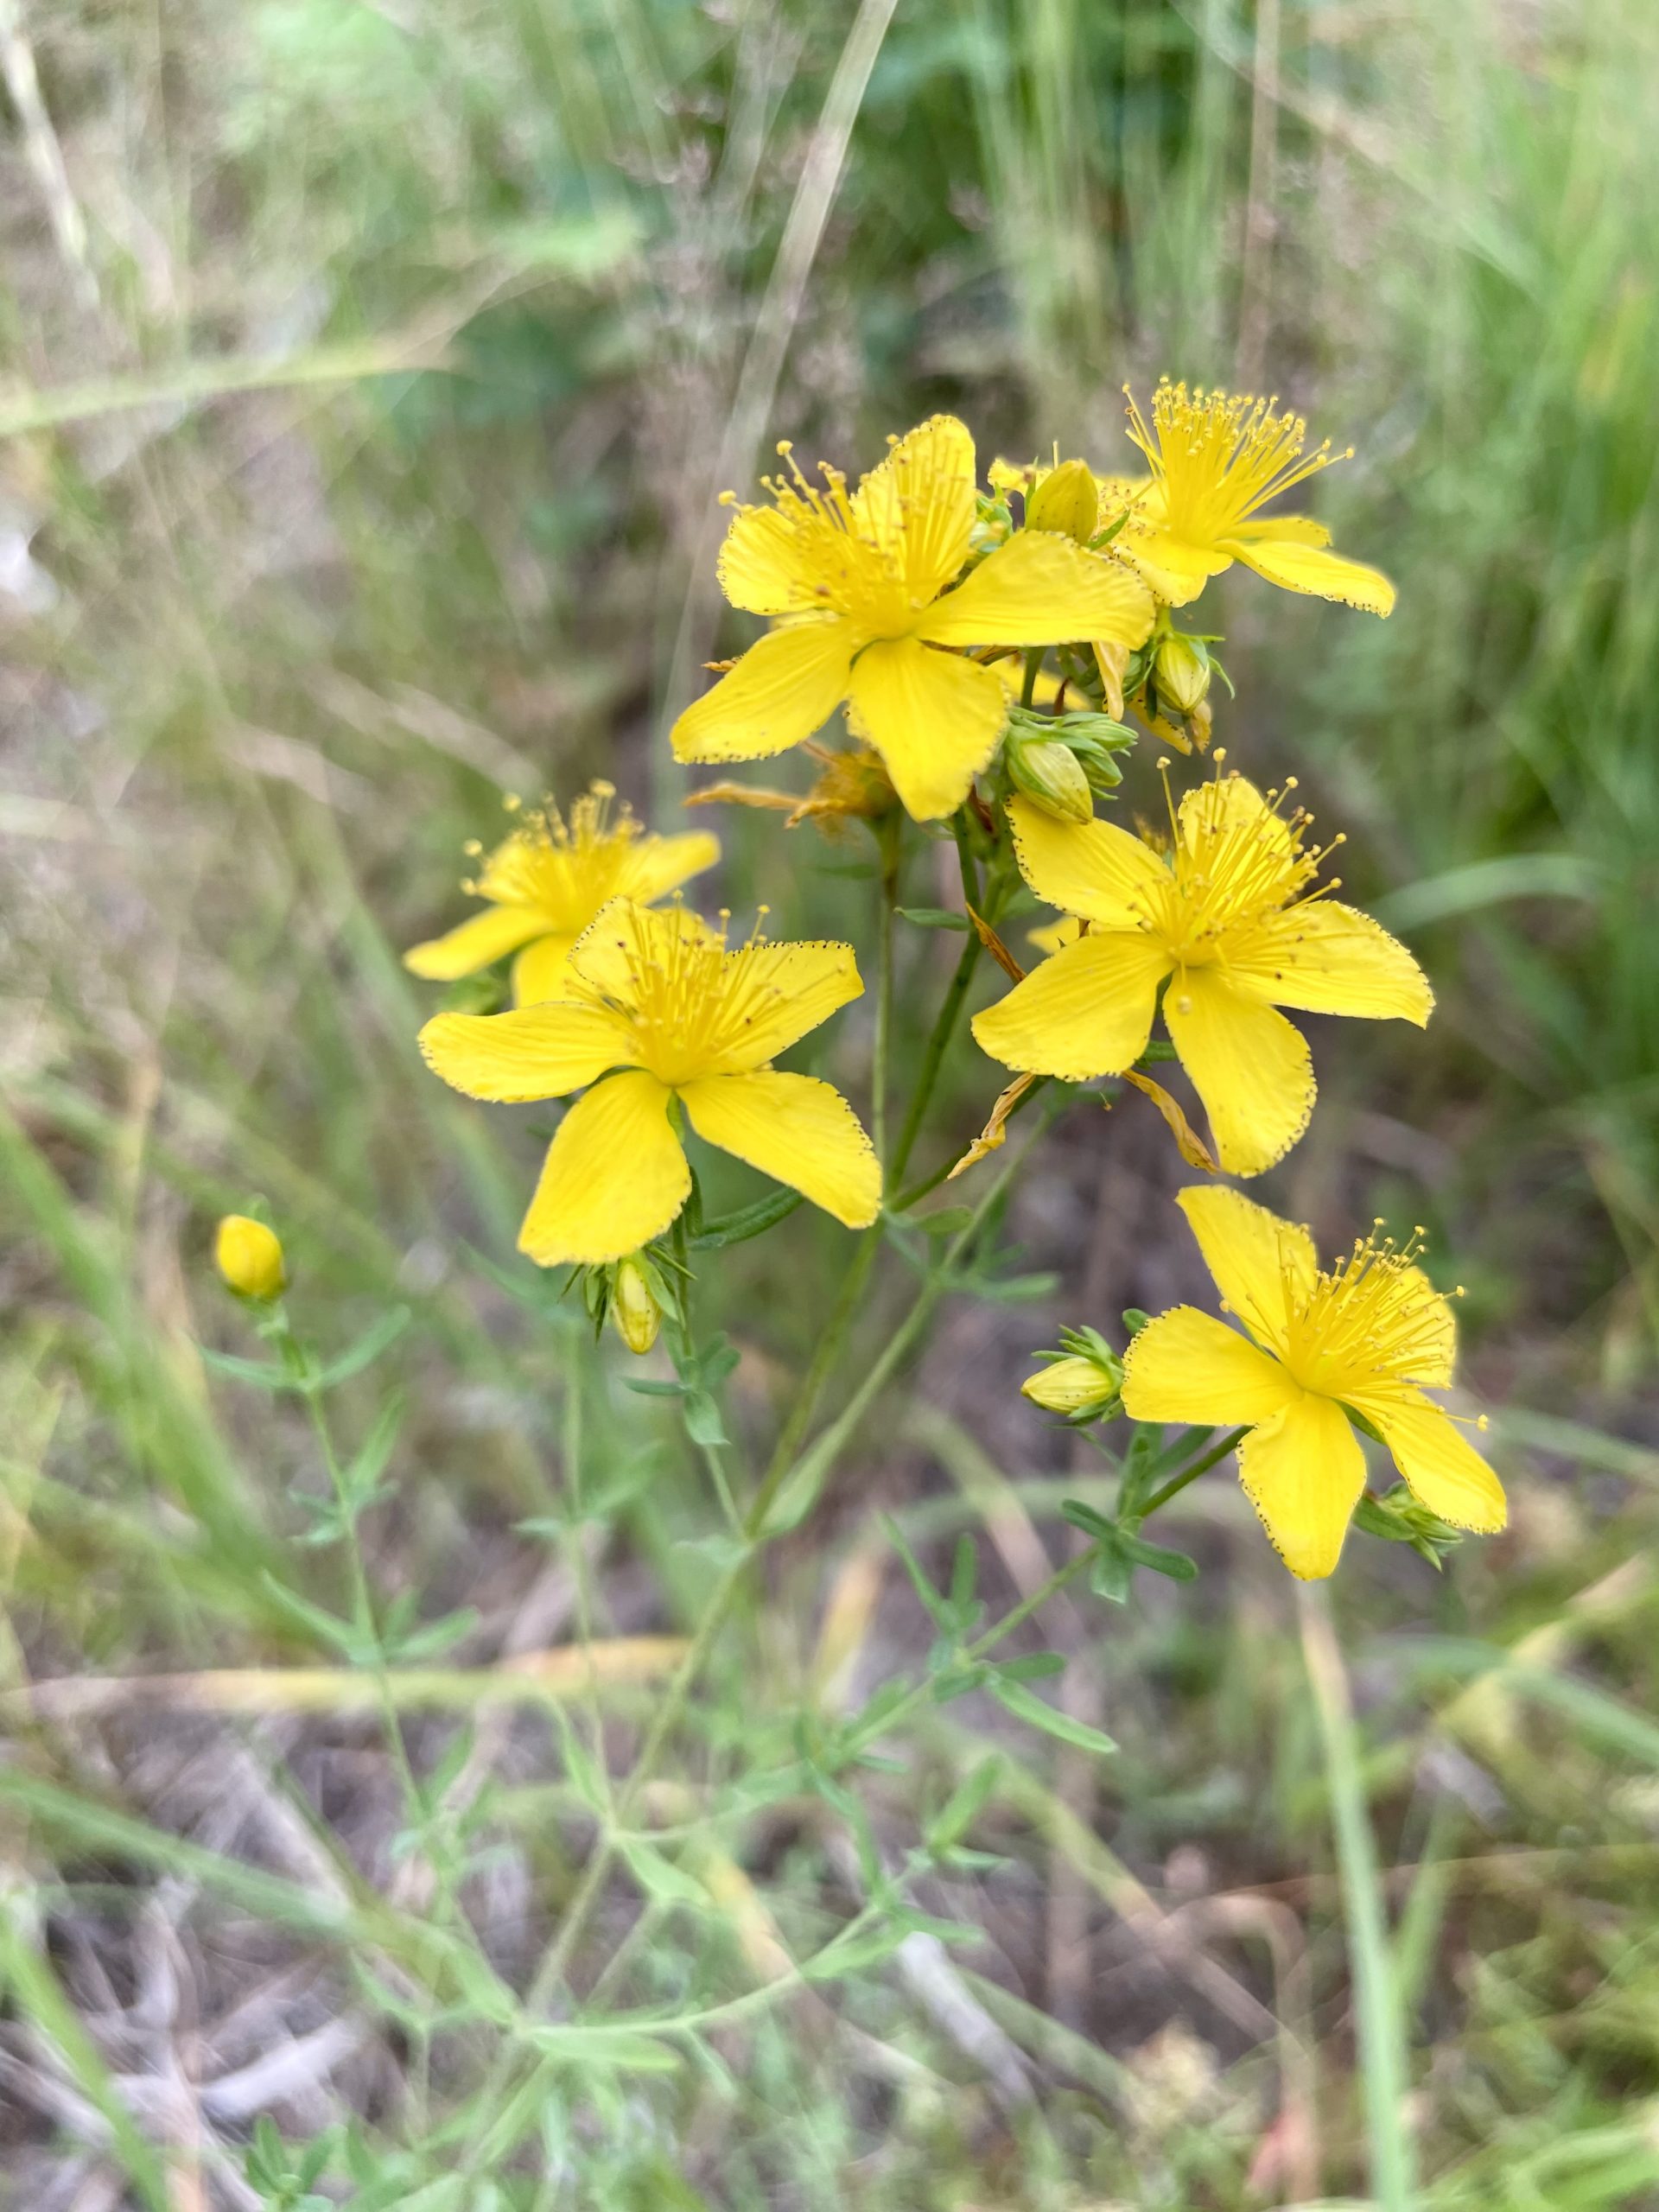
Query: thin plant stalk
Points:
[1384, 2068]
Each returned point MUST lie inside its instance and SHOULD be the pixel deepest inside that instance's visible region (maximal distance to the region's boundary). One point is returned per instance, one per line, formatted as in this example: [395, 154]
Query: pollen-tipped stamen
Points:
[1219, 459]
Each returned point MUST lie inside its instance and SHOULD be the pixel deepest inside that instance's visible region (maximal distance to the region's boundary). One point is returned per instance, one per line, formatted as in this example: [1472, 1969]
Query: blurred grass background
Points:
[367, 373]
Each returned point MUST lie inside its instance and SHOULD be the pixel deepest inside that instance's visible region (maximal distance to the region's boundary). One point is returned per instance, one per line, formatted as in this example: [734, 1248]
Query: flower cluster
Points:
[996, 653]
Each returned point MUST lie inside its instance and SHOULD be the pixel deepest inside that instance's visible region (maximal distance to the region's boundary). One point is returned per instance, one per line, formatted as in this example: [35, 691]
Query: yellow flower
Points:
[655, 1004]
[1226, 918]
[249, 1257]
[858, 585]
[1215, 461]
[547, 882]
[1370, 1335]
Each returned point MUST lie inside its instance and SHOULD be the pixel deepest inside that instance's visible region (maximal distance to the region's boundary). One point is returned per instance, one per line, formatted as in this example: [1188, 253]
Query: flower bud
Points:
[250, 1258]
[1067, 502]
[1082, 1380]
[1079, 1388]
[1050, 776]
[635, 1313]
[1181, 673]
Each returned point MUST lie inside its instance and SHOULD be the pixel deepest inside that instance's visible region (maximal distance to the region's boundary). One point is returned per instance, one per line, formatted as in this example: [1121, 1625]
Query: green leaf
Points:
[1034, 1666]
[1011, 1290]
[1176, 1565]
[934, 917]
[583, 2044]
[372, 1456]
[749, 1220]
[661, 1880]
[325, 1627]
[1085, 1517]
[368, 1347]
[262, 1373]
[1025, 1705]
[937, 1606]
[703, 1421]
[434, 1639]
[855, 1953]
[964, 1805]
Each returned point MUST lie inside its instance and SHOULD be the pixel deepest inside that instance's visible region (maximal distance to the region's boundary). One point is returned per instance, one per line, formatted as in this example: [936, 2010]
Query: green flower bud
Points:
[1083, 1380]
[1050, 776]
[249, 1257]
[1067, 502]
[1181, 671]
[635, 1313]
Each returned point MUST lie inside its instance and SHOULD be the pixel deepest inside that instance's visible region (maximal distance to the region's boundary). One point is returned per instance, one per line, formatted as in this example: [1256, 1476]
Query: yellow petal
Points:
[1280, 530]
[1252, 1069]
[538, 973]
[614, 1177]
[483, 939]
[540, 1051]
[1313, 571]
[1038, 590]
[1092, 868]
[1052, 935]
[919, 505]
[777, 563]
[1187, 1365]
[1304, 1471]
[796, 1130]
[656, 866]
[1086, 1011]
[1177, 571]
[1442, 1469]
[934, 719]
[1262, 1266]
[780, 991]
[786, 685]
[1329, 959]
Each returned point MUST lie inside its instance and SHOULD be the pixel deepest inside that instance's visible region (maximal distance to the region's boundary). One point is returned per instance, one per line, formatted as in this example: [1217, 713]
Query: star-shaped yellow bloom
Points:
[547, 882]
[653, 1008]
[859, 587]
[1215, 463]
[1370, 1334]
[1226, 919]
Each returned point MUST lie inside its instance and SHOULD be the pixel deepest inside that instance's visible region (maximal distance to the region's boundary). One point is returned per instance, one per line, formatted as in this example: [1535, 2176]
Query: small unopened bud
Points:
[1082, 1379]
[1067, 502]
[635, 1312]
[249, 1257]
[1050, 776]
[1182, 673]
[1073, 1387]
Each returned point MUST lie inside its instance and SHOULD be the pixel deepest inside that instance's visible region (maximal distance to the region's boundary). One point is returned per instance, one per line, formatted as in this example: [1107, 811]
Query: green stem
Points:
[363, 1616]
[1034, 660]
[933, 1057]
[890, 839]
[1059, 1580]
[682, 1339]
[942, 1173]
[834, 1337]
[1384, 2053]
[1177, 1484]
